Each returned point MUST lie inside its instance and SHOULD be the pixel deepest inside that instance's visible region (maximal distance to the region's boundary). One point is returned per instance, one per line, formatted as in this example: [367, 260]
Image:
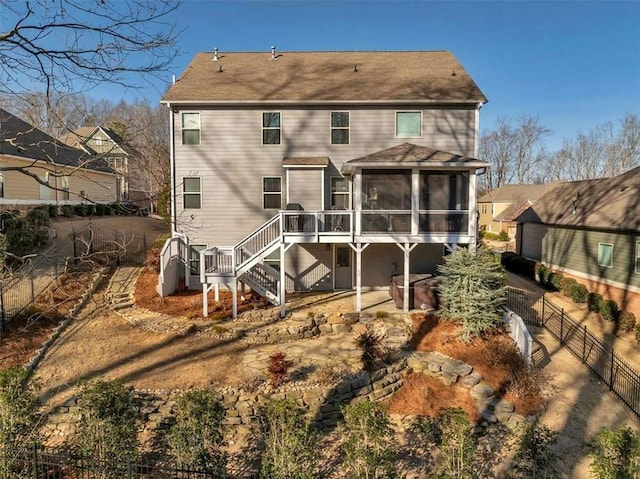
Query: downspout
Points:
[172, 163]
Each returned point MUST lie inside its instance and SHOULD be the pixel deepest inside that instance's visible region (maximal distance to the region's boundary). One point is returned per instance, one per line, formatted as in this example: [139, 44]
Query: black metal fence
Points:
[20, 288]
[622, 379]
[37, 462]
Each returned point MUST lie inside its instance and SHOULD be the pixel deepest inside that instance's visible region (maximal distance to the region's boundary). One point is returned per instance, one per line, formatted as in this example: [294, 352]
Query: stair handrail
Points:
[240, 262]
[179, 239]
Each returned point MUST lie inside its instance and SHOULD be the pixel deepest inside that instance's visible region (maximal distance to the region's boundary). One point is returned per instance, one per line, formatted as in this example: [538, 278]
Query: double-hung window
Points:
[339, 127]
[605, 255]
[271, 128]
[339, 193]
[408, 124]
[272, 192]
[192, 193]
[190, 128]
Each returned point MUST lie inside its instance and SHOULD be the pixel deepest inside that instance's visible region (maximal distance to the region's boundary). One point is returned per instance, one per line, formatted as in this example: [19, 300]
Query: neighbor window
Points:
[638, 257]
[191, 128]
[605, 255]
[191, 193]
[194, 257]
[339, 127]
[339, 193]
[271, 128]
[408, 124]
[272, 193]
[65, 187]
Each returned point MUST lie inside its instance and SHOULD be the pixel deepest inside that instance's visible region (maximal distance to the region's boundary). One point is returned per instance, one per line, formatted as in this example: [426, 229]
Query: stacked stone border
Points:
[323, 403]
[96, 281]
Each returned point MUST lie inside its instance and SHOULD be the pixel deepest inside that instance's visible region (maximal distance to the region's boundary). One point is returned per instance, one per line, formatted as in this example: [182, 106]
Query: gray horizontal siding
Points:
[305, 187]
[232, 160]
[578, 250]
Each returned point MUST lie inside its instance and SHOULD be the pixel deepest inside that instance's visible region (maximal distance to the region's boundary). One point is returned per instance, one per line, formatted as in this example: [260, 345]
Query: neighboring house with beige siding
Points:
[590, 230]
[319, 170]
[37, 169]
[498, 208]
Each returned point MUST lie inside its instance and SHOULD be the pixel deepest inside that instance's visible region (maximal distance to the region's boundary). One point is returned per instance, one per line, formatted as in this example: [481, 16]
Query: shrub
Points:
[278, 368]
[19, 417]
[152, 260]
[593, 302]
[289, 444]
[503, 236]
[52, 210]
[616, 454]
[555, 280]
[370, 348]
[472, 291]
[457, 444]
[80, 210]
[578, 293]
[534, 456]
[565, 286]
[197, 436]
[107, 428]
[541, 273]
[626, 321]
[368, 450]
[638, 333]
[609, 309]
[67, 211]
[506, 258]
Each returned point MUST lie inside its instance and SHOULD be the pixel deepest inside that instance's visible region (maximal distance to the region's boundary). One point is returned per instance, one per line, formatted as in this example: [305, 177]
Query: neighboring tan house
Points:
[498, 209]
[105, 143]
[320, 170]
[589, 230]
[67, 175]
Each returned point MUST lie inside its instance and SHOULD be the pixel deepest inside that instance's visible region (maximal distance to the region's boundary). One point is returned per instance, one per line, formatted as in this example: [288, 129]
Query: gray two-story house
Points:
[319, 170]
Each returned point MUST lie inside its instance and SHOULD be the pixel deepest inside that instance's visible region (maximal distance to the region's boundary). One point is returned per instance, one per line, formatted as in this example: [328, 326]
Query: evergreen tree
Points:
[472, 291]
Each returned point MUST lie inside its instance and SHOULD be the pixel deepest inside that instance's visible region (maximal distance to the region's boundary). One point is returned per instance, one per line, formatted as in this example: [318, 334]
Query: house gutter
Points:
[345, 101]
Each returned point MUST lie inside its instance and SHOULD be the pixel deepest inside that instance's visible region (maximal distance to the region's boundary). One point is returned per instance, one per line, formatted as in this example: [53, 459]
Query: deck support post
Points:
[406, 249]
[234, 296]
[283, 276]
[217, 291]
[243, 291]
[358, 248]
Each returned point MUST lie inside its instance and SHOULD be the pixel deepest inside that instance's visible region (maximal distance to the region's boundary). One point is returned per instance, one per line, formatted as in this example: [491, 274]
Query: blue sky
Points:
[573, 64]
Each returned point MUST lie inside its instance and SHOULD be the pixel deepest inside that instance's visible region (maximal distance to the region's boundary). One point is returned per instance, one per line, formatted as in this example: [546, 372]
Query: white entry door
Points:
[342, 267]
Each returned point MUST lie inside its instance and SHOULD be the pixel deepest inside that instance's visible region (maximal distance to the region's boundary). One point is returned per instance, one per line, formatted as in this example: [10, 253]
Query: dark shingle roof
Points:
[515, 193]
[428, 76]
[305, 161]
[408, 155]
[18, 138]
[513, 211]
[608, 203]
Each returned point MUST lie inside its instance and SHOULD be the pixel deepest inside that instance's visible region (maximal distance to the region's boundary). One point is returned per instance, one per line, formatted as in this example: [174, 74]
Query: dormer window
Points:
[271, 128]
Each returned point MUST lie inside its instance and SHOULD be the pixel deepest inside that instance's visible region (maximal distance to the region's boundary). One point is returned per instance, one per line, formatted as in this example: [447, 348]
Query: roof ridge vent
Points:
[215, 54]
[273, 53]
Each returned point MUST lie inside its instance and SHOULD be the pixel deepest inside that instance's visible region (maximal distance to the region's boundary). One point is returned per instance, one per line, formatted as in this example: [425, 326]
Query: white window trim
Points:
[271, 192]
[599, 263]
[262, 128]
[331, 128]
[637, 269]
[192, 192]
[191, 129]
[408, 111]
[348, 192]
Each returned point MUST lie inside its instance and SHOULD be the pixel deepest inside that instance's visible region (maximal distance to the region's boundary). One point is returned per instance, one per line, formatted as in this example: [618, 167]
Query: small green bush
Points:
[593, 302]
[638, 333]
[609, 309]
[626, 321]
[616, 454]
[80, 210]
[503, 236]
[579, 293]
[506, 259]
[68, 211]
[52, 210]
[535, 456]
[565, 286]
[555, 281]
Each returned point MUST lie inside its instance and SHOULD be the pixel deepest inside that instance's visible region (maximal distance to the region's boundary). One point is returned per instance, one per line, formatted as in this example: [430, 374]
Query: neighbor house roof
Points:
[382, 76]
[408, 155]
[19, 139]
[80, 137]
[513, 211]
[608, 203]
[514, 193]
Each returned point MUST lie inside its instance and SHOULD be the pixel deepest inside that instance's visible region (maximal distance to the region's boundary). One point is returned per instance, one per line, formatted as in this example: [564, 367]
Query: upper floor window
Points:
[605, 255]
[339, 127]
[190, 128]
[408, 124]
[272, 193]
[271, 128]
[192, 193]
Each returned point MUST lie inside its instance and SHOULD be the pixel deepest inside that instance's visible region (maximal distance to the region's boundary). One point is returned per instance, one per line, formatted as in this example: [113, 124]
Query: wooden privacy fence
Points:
[622, 379]
[36, 462]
